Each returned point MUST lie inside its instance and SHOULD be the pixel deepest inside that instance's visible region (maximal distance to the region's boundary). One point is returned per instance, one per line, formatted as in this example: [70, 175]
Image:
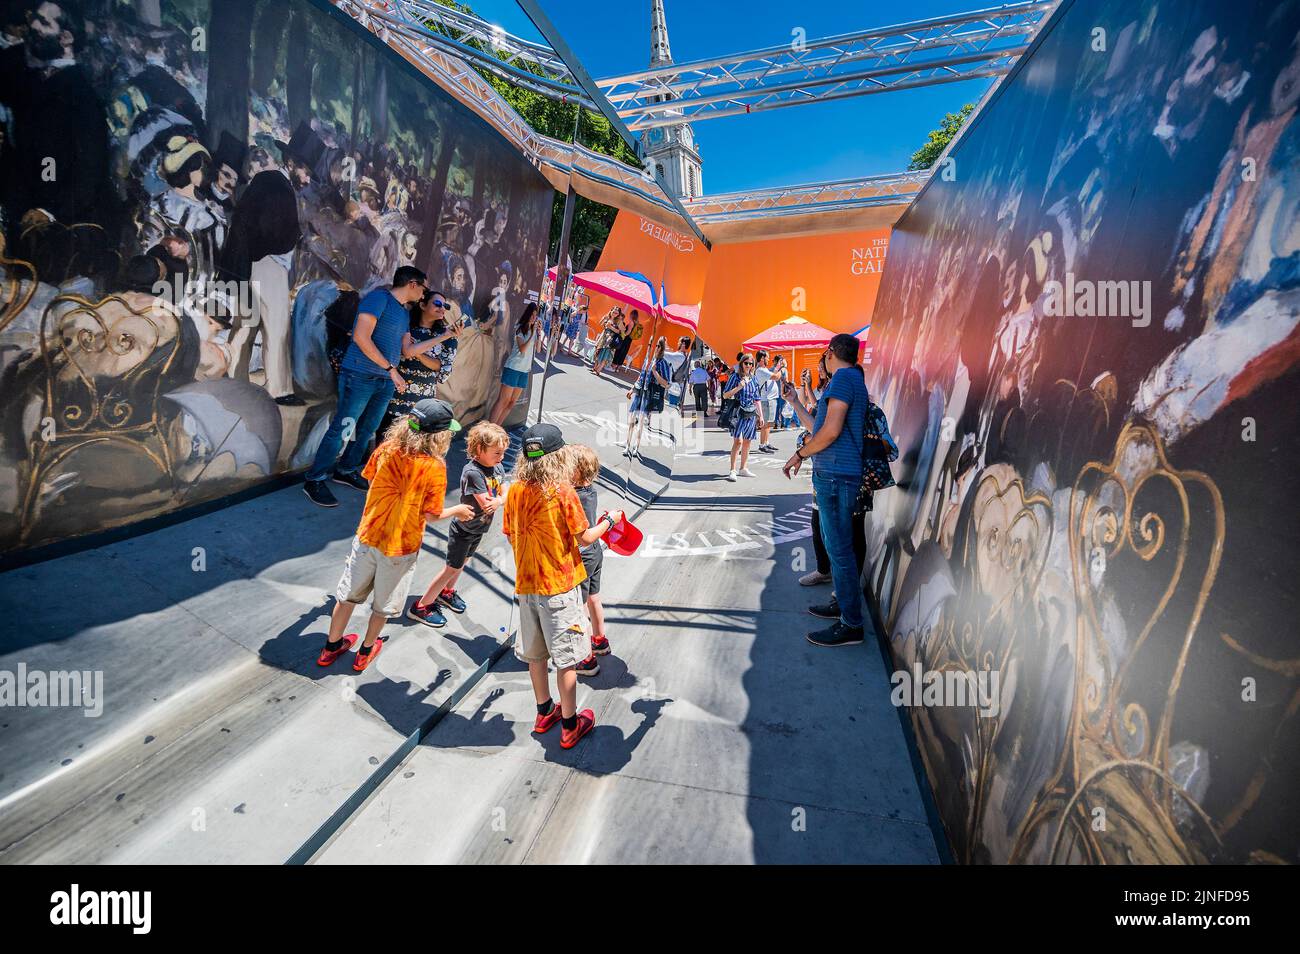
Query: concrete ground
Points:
[722, 735]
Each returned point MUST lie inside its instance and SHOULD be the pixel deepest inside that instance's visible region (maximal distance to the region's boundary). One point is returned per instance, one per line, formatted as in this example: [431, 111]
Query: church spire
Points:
[660, 54]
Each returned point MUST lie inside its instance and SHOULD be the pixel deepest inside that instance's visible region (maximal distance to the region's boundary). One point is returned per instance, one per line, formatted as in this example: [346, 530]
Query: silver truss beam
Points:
[463, 27]
[921, 53]
[403, 18]
[891, 189]
[445, 60]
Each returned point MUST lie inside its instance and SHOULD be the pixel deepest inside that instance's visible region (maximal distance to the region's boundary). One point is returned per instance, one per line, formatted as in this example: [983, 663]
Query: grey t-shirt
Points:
[477, 479]
[587, 497]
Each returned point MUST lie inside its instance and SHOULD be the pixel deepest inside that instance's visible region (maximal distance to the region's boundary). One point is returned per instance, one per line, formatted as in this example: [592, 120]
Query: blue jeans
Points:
[363, 399]
[835, 497]
[780, 412]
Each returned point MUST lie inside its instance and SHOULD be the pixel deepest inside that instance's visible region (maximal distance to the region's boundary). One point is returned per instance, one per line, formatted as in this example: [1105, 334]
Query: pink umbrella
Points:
[620, 287]
[688, 315]
[789, 335]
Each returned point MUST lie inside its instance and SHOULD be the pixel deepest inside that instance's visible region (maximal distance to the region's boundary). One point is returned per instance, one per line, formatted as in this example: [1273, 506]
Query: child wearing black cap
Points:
[408, 482]
[546, 526]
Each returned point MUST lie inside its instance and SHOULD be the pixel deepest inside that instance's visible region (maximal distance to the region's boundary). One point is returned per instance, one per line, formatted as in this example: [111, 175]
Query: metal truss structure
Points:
[945, 49]
[451, 47]
[893, 189]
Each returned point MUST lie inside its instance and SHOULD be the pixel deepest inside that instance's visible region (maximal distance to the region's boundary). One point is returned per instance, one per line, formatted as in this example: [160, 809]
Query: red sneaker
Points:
[328, 656]
[586, 722]
[365, 659]
[600, 646]
[544, 722]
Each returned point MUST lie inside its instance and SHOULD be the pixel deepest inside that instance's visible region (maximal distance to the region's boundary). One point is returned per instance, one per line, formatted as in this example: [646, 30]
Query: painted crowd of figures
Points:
[194, 259]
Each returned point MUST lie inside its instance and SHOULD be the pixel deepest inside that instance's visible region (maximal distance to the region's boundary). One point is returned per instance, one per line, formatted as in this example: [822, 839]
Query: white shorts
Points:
[384, 579]
[553, 627]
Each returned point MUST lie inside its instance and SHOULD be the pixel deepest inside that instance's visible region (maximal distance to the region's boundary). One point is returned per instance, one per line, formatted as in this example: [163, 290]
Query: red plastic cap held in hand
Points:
[623, 538]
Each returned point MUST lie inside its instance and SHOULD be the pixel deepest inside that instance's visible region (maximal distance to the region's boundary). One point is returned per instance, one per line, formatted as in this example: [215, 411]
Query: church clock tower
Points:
[671, 149]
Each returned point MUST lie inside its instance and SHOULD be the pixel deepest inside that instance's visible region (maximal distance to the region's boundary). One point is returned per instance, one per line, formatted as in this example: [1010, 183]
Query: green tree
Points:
[939, 138]
[592, 220]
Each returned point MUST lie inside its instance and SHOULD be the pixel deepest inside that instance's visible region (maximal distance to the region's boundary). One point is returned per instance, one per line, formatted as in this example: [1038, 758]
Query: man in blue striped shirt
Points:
[836, 451]
[367, 381]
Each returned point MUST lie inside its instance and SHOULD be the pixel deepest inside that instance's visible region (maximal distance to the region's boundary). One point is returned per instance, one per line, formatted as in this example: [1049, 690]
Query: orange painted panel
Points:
[829, 280]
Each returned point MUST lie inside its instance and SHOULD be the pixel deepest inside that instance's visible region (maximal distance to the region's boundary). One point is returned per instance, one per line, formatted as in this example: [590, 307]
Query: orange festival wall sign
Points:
[830, 280]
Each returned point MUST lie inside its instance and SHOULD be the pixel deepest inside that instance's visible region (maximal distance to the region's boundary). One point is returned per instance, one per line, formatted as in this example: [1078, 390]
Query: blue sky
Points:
[864, 135]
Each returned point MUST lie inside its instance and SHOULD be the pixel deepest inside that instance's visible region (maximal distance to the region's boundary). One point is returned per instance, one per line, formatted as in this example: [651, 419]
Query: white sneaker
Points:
[815, 578]
[746, 472]
[731, 476]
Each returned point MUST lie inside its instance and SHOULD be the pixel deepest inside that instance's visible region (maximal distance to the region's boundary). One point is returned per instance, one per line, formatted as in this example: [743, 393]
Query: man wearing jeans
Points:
[836, 451]
[367, 381]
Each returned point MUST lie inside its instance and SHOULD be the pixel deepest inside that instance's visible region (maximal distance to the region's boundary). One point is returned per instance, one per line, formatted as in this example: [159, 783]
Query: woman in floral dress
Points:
[428, 350]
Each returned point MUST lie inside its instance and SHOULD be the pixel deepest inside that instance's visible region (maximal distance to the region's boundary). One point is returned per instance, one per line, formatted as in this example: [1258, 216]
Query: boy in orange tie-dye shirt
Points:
[408, 481]
[545, 524]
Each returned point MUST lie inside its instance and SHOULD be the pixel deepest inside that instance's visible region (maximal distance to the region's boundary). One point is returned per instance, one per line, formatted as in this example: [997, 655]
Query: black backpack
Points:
[878, 449]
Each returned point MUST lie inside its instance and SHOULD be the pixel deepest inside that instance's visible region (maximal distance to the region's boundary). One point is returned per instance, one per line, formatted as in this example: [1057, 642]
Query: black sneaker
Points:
[837, 635]
[829, 610]
[766, 449]
[428, 615]
[452, 602]
[290, 400]
[352, 480]
[319, 494]
[589, 666]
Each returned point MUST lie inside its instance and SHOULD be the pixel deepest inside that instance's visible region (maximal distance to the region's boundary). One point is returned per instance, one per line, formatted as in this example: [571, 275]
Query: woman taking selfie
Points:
[427, 353]
[514, 376]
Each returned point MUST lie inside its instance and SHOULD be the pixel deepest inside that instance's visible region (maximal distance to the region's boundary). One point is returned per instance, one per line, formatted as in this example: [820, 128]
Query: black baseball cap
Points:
[542, 439]
[431, 416]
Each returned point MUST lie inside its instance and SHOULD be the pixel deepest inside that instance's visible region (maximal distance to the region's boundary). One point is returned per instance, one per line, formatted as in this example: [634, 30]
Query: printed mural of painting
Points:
[1086, 342]
[194, 196]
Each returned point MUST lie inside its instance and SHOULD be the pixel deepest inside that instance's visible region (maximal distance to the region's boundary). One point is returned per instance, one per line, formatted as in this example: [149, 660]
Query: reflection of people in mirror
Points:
[647, 397]
[748, 416]
[630, 331]
[608, 340]
[514, 376]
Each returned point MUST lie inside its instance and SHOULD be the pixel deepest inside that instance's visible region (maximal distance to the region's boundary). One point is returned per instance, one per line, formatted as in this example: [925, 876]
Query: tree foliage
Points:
[939, 138]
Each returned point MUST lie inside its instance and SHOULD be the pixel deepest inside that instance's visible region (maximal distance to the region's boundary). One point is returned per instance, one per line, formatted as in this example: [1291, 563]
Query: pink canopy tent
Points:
[620, 287]
[688, 315]
[792, 334]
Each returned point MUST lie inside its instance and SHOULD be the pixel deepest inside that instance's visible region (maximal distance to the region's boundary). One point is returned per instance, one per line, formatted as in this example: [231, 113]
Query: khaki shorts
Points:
[384, 579]
[553, 627]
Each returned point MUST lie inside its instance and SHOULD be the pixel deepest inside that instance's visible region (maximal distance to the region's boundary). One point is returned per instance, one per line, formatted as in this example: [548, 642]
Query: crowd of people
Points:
[550, 506]
[842, 433]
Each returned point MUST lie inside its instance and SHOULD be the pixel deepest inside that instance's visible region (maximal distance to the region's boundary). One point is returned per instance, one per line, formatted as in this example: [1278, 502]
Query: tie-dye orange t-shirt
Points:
[542, 523]
[402, 491]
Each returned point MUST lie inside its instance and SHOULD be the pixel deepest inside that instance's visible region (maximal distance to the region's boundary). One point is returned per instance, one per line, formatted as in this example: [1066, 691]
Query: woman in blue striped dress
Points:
[657, 373]
[749, 414]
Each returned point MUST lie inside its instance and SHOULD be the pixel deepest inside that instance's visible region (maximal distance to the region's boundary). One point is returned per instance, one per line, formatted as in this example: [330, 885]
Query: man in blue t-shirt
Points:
[836, 451]
[367, 380]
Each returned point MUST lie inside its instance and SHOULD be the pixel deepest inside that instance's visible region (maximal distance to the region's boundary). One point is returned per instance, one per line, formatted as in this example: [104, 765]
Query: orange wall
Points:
[753, 285]
[749, 286]
[677, 260]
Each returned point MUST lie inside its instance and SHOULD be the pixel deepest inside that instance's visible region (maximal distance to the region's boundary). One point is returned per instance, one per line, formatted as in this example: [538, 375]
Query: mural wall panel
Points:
[194, 194]
[1087, 346]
